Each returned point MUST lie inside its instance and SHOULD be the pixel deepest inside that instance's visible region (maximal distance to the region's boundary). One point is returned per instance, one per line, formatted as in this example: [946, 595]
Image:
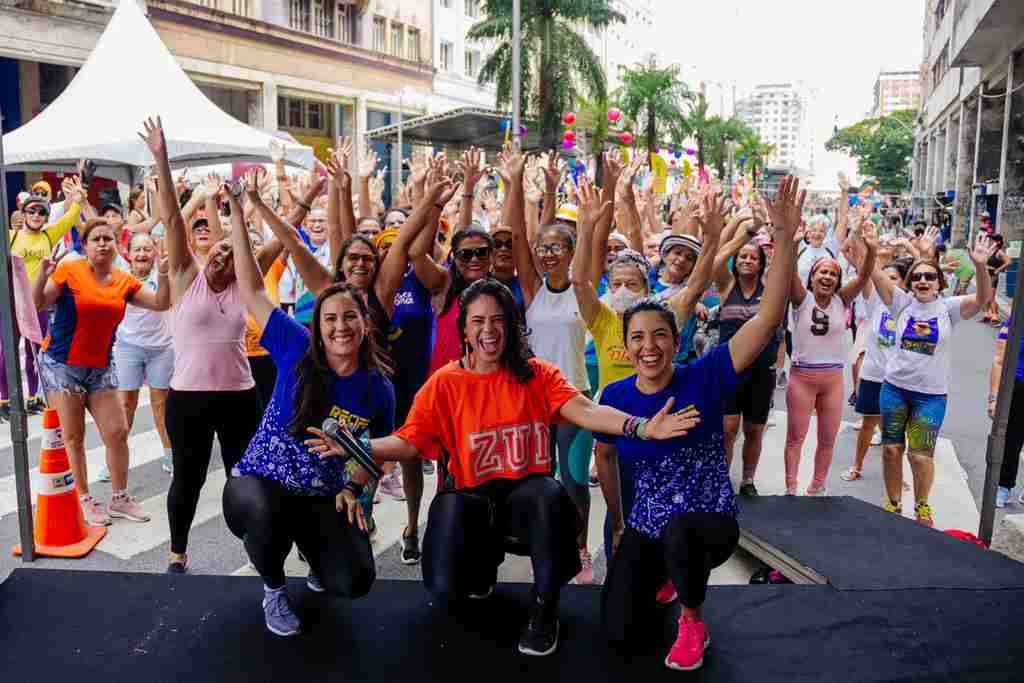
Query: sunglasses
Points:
[553, 249]
[467, 255]
[927, 277]
[37, 212]
[360, 258]
[502, 244]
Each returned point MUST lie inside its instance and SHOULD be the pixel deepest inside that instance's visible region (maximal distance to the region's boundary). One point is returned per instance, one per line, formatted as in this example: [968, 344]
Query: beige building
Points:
[896, 91]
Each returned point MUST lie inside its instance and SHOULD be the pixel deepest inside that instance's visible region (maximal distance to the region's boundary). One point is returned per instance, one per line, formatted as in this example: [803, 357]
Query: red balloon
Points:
[626, 138]
[570, 136]
[569, 118]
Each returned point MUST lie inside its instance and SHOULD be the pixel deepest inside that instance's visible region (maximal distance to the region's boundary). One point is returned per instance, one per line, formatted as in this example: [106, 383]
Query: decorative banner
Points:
[660, 169]
[687, 168]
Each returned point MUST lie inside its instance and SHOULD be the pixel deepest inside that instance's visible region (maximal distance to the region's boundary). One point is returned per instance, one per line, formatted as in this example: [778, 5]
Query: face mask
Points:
[621, 299]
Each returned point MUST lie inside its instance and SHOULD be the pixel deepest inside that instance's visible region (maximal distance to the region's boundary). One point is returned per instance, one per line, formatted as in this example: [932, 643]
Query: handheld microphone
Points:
[352, 446]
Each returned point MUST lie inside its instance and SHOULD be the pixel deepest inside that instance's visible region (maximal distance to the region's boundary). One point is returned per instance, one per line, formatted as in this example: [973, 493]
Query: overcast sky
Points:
[836, 46]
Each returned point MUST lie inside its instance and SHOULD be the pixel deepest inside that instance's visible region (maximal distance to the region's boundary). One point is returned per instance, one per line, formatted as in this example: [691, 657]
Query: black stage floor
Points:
[97, 626]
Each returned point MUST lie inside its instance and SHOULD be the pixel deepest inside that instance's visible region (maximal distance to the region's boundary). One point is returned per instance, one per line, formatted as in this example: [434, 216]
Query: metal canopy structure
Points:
[456, 129]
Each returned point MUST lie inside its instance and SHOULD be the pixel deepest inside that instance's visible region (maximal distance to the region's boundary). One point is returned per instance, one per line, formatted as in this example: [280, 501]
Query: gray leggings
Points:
[562, 436]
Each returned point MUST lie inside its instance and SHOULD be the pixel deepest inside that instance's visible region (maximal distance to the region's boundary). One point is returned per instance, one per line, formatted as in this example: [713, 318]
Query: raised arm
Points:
[247, 272]
[633, 229]
[368, 164]
[712, 222]
[592, 209]
[857, 283]
[553, 168]
[971, 305]
[843, 210]
[598, 251]
[160, 300]
[740, 235]
[212, 185]
[752, 337]
[44, 290]
[431, 275]
[341, 219]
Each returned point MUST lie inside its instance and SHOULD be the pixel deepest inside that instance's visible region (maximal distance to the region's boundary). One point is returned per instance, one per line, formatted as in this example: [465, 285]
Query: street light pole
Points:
[396, 172]
[516, 85]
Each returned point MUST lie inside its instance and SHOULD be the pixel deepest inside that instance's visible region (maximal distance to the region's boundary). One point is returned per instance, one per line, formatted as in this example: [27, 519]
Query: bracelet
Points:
[356, 489]
[641, 430]
[469, 195]
[439, 206]
[307, 207]
[630, 427]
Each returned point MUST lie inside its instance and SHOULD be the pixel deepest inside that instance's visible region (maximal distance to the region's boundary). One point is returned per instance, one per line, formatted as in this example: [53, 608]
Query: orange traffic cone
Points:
[60, 528]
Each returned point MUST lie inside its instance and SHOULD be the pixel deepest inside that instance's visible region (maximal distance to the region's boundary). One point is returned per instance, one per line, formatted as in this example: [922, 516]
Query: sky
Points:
[835, 46]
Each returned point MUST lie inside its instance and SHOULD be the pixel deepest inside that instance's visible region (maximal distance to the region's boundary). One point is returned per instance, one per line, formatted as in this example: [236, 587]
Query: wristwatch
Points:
[235, 188]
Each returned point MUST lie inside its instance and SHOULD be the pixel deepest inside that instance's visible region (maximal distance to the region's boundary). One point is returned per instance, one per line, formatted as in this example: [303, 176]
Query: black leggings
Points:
[1014, 438]
[690, 546]
[264, 373]
[193, 418]
[269, 519]
[466, 534]
[562, 437]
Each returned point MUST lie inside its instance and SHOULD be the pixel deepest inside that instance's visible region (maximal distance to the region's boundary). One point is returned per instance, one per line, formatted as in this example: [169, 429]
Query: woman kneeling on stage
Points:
[285, 493]
[489, 415]
[683, 521]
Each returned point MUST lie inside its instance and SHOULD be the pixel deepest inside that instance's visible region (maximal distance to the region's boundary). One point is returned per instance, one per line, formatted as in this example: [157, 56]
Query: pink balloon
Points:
[626, 138]
[614, 115]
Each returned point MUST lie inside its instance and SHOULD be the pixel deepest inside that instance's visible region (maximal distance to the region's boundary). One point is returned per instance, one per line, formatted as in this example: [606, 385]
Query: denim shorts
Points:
[56, 376]
[913, 416]
[868, 398]
[137, 365]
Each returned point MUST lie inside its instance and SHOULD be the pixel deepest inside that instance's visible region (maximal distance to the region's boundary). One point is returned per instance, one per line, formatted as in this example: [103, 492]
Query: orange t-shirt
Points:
[490, 425]
[87, 314]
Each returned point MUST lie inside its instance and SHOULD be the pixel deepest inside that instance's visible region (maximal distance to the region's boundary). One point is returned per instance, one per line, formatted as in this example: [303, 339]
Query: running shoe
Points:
[819, 492]
[277, 612]
[35, 406]
[667, 593]
[893, 507]
[428, 466]
[410, 553]
[586, 575]
[167, 463]
[749, 490]
[1020, 499]
[1002, 497]
[177, 567]
[687, 653]
[95, 512]
[540, 637]
[876, 438]
[923, 513]
[104, 474]
[482, 595]
[391, 486]
[313, 583]
[781, 381]
[852, 400]
[125, 507]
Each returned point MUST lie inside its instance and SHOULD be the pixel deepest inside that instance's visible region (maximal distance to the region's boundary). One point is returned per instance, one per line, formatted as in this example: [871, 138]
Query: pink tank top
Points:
[819, 336]
[209, 340]
[447, 344]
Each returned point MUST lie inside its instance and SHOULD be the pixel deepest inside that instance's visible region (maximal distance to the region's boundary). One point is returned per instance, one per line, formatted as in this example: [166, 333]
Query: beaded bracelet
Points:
[356, 489]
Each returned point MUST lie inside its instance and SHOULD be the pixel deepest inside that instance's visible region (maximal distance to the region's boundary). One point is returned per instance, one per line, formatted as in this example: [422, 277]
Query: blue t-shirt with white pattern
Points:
[681, 475]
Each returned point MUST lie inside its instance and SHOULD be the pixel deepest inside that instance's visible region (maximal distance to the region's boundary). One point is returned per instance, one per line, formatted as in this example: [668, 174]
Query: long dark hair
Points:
[517, 351]
[378, 314]
[314, 375]
[652, 305]
[459, 283]
[762, 267]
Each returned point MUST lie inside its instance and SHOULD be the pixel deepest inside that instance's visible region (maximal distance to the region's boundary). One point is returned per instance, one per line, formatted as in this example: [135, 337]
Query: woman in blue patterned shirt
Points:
[683, 520]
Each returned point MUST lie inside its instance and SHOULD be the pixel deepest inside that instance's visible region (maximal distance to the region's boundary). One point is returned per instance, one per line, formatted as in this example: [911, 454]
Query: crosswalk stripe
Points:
[35, 422]
[125, 539]
[143, 448]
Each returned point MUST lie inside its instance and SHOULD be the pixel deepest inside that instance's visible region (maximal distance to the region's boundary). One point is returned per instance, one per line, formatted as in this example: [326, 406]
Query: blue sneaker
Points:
[313, 583]
[1002, 497]
[277, 612]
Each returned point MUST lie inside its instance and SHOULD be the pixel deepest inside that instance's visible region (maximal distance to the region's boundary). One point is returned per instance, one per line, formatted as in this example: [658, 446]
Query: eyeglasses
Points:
[467, 255]
[553, 249]
[502, 244]
[37, 212]
[927, 277]
[360, 258]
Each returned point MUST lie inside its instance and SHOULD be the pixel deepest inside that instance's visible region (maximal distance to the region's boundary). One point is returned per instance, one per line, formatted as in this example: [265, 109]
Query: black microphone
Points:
[352, 446]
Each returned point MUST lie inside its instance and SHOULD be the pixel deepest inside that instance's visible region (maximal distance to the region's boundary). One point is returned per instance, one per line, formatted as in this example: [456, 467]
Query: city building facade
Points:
[458, 59]
[782, 114]
[896, 91]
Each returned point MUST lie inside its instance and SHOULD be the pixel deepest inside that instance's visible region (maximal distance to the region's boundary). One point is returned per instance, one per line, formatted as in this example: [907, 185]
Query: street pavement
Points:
[213, 549]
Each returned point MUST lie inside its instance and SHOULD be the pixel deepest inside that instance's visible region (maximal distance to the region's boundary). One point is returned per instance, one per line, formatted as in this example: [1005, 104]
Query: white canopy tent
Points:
[82, 123]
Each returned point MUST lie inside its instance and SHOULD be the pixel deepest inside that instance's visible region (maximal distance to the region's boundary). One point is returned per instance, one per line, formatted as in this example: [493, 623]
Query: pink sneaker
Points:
[586, 575]
[94, 511]
[124, 506]
[390, 485]
[667, 595]
[687, 653]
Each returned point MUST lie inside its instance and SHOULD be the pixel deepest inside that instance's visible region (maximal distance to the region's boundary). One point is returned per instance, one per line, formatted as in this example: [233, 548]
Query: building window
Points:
[323, 18]
[473, 8]
[397, 40]
[346, 23]
[472, 63]
[314, 115]
[298, 15]
[304, 115]
[412, 38]
[447, 4]
[447, 56]
[380, 34]
[295, 118]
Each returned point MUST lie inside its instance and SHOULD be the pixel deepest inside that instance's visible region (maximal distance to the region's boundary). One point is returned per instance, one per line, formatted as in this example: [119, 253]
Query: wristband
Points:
[469, 195]
[356, 489]
[641, 430]
[439, 206]
[307, 207]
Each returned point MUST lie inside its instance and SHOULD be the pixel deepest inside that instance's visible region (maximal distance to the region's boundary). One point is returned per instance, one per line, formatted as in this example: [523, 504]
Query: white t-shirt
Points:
[558, 333]
[808, 255]
[880, 340]
[921, 359]
[290, 287]
[819, 336]
[148, 329]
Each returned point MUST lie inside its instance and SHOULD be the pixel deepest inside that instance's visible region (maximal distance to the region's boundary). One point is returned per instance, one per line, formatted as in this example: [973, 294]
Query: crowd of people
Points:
[526, 333]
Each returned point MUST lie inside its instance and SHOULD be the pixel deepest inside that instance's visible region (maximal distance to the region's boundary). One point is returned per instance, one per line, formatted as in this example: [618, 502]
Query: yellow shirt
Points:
[34, 246]
[613, 362]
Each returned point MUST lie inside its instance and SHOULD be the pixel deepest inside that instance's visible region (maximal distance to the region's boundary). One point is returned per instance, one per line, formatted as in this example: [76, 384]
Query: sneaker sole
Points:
[99, 524]
[283, 634]
[554, 645]
[125, 515]
[482, 596]
[699, 664]
[408, 561]
[314, 588]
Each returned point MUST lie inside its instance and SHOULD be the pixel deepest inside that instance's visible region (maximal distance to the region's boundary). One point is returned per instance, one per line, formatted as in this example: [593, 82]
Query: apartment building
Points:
[457, 59]
[782, 115]
[895, 91]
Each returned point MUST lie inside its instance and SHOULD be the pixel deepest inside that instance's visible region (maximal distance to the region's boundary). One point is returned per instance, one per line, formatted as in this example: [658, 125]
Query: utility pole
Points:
[517, 142]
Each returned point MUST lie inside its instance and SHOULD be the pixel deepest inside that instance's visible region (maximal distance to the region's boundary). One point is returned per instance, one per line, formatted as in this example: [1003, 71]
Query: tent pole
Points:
[12, 370]
[517, 142]
[997, 437]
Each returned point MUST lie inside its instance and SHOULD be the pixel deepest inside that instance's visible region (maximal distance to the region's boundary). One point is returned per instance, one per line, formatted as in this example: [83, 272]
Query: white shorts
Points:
[137, 364]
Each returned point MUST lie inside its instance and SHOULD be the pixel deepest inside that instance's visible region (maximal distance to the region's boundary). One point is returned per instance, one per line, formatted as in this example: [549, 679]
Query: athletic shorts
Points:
[57, 377]
[867, 398]
[137, 365]
[913, 415]
[753, 396]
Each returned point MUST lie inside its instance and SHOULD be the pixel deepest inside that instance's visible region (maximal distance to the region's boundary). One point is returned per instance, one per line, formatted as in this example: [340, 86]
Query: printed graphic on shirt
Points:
[819, 322]
[512, 449]
[887, 331]
[921, 336]
[356, 424]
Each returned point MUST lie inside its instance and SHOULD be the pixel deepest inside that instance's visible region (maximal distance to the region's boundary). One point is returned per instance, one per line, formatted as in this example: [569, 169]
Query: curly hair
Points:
[517, 353]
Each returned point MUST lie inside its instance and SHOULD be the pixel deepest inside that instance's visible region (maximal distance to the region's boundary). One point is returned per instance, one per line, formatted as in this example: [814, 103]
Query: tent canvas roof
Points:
[80, 123]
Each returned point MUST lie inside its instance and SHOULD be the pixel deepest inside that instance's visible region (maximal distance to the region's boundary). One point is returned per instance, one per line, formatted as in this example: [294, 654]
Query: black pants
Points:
[690, 546]
[1014, 438]
[466, 536]
[269, 519]
[264, 373]
[193, 418]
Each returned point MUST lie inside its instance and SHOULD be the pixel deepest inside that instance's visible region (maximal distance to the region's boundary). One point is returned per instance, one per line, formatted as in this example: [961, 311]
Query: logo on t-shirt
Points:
[350, 421]
[819, 322]
[517, 448]
[404, 298]
[887, 331]
[921, 336]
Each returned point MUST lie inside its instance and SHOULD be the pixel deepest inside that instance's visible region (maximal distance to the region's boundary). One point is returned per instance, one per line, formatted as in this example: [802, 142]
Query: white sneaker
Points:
[125, 507]
[95, 512]
[876, 439]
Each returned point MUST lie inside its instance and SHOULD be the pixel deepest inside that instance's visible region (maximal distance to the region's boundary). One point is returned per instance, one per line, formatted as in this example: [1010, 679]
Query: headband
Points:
[386, 238]
[673, 241]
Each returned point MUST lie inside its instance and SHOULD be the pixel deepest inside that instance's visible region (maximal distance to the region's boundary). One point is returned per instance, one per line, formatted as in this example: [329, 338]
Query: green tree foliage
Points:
[654, 97]
[883, 148]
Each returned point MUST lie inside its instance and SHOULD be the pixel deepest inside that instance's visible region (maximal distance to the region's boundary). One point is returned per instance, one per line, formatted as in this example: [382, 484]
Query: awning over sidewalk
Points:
[458, 128]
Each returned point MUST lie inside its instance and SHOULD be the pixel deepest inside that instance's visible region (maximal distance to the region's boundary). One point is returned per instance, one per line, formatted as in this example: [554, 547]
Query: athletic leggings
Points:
[468, 531]
[264, 373]
[193, 418]
[1014, 438]
[690, 546]
[562, 439]
[820, 390]
[31, 351]
[268, 519]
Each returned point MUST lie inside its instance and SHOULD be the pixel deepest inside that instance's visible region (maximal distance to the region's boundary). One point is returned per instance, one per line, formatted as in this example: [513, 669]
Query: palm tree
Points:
[556, 62]
[697, 125]
[592, 115]
[755, 150]
[654, 97]
[721, 132]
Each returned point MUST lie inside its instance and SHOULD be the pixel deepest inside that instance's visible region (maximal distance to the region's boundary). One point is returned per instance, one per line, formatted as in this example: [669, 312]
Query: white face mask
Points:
[621, 299]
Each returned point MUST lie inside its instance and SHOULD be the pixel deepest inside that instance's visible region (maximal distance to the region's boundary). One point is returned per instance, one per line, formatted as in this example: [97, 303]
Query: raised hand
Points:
[368, 163]
[251, 181]
[844, 182]
[713, 211]
[589, 207]
[471, 168]
[554, 168]
[612, 168]
[277, 151]
[154, 137]
[48, 265]
[984, 249]
[213, 185]
[418, 166]
[869, 235]
[930, 236]
[73, 189]
[666, 425]
[786, 210]
[532, 181]
[502, 168]
[377, 186]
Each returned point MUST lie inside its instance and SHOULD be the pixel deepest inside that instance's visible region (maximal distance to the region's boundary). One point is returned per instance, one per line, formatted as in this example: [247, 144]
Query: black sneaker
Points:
[540, 638]
[410, 549]
[176, 567]
[35, 406]
[749, 490]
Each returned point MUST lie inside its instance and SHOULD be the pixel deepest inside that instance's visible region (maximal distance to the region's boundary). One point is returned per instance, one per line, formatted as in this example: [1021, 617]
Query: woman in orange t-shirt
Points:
[489, 415]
